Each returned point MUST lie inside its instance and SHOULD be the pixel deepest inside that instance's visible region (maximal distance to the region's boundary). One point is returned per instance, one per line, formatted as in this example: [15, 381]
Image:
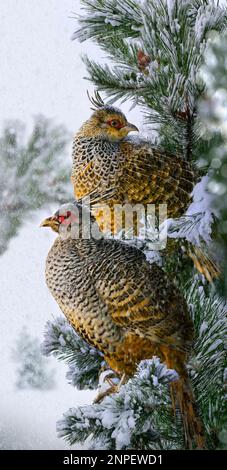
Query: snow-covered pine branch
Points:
[138, 417]
[208, 363]
[85, 362]
[196, 225]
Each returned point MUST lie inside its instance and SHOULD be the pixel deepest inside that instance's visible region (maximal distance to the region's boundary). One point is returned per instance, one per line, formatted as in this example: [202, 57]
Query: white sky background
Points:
[41, 72]
[41, 68]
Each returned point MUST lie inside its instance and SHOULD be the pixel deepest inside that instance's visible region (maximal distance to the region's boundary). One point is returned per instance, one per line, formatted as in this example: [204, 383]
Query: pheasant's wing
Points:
[139, 296]
[135, 172]
[96, 171]
[153, 176]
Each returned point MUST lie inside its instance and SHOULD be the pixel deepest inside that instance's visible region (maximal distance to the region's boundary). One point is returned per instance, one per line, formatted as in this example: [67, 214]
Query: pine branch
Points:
[209, 315]
[173, 36]
[85, 362]
[138, 417]
[103, 19]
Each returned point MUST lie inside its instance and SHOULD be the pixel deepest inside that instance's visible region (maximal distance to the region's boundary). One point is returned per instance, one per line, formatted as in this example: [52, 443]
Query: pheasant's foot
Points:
[105, 393]
[108, 376]
[114, 388]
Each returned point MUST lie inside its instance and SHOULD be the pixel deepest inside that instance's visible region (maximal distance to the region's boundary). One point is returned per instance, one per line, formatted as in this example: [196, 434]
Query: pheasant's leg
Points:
[105, 393]
[123, 380]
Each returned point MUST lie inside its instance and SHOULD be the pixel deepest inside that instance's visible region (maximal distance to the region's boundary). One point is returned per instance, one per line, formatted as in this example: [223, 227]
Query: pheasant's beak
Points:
[46, 222]
[51, 222]
[131, 127]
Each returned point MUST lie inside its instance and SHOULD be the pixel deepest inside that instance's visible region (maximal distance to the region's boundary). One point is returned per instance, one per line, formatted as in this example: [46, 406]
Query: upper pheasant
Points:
[104, 158]
[114, 170]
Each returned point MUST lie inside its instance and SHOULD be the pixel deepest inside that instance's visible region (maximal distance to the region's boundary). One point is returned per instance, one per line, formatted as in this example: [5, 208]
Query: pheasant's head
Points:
[63, 217]
[108, 123]
[72, 221]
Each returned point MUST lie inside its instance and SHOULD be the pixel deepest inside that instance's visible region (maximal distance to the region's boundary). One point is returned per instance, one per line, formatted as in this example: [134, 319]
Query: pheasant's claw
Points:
[109, 376]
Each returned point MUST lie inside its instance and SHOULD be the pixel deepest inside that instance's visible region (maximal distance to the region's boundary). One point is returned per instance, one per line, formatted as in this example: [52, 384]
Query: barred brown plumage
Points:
[124, 306]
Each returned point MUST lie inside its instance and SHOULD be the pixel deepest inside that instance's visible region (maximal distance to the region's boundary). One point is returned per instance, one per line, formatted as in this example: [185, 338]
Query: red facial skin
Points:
[115, 123]
[66, 219]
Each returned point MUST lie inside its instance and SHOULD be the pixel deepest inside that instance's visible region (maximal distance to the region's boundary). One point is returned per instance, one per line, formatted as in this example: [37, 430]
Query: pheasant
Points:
[105, 160]
[121, 304]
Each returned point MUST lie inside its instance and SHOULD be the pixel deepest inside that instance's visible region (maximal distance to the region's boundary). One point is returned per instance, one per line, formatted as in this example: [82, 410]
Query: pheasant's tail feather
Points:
[204, 263]
[193, 428]
[183, 396]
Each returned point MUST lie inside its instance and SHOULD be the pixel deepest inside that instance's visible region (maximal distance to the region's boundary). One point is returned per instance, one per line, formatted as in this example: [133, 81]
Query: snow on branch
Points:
[196, 225]
[139, 416]
[85, 362]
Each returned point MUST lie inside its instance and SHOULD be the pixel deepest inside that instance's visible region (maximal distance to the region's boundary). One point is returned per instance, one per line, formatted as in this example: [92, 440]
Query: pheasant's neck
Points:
[89, 129]
[85, 244]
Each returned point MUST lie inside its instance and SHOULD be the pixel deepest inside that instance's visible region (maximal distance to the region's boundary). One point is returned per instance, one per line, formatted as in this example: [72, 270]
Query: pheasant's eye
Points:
[62, 218]
[115, 123]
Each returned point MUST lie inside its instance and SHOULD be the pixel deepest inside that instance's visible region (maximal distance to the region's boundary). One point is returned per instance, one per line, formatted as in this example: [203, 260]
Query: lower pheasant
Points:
[122, 305]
